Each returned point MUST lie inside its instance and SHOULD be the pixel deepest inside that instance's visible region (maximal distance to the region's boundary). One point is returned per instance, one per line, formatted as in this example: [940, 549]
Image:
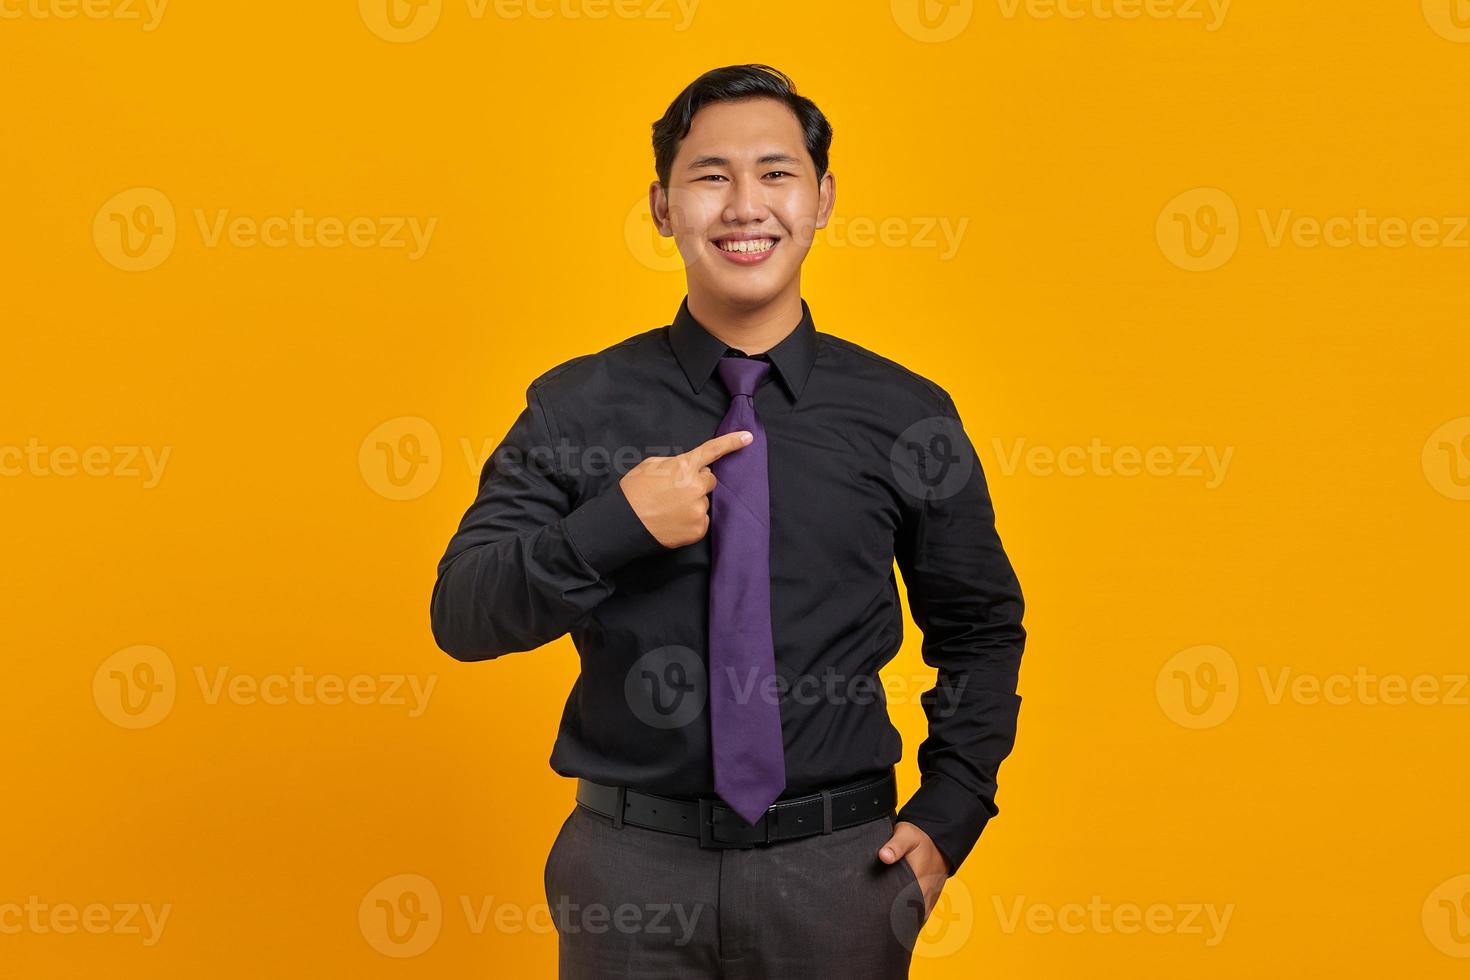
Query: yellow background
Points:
[1333, 375]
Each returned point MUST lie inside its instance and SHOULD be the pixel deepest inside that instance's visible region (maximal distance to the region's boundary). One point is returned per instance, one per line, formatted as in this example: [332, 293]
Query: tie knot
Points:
[742, 374]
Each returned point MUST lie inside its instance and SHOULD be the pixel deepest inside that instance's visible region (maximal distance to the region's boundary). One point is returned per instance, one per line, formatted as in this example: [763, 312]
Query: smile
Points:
[746, 251]
[746, 245]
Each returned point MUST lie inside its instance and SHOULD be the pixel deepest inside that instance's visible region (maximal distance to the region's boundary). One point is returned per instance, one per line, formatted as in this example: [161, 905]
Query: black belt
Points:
[716, 825]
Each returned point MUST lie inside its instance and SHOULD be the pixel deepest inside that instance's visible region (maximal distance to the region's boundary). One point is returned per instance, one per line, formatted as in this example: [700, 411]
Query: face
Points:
[743, 201]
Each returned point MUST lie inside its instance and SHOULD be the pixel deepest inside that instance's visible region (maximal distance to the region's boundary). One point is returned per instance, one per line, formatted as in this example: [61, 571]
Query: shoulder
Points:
[854, 360]
[574, 373]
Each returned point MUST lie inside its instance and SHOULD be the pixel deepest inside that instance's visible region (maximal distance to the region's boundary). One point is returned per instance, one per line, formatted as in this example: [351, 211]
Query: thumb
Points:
[902, 841]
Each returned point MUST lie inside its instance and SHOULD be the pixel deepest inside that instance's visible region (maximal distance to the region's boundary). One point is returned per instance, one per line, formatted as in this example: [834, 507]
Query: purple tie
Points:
[745, 720]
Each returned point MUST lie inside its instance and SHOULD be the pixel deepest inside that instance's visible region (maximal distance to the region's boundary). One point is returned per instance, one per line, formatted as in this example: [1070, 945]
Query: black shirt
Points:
[868, 462]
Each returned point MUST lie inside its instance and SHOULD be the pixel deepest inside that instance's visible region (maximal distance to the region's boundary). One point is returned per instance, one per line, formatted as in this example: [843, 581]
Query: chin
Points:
[748, 293]
[748, 287]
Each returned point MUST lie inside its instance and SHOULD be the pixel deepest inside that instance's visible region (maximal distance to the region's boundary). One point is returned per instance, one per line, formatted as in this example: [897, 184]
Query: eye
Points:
[778, 173]
[712, 177]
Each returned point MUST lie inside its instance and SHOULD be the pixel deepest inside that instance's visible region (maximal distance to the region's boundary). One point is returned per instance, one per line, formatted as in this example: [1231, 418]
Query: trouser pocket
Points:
[550, 876]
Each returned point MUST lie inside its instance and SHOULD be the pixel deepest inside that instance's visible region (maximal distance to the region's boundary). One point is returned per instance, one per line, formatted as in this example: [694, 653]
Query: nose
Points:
[746, 203]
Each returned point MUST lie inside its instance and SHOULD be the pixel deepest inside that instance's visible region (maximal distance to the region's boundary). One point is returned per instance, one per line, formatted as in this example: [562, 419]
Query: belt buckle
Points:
[707, 828]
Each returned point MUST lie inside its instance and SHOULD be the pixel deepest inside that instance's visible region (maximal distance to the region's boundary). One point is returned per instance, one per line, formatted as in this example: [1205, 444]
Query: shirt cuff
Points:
[951, 815]
[608, 533]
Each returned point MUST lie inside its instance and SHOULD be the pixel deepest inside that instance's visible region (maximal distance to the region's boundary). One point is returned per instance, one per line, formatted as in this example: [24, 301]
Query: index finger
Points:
[711, 450]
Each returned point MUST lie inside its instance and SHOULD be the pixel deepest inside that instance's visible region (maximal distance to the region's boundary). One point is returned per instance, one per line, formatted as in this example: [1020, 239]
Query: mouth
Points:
[746, 249]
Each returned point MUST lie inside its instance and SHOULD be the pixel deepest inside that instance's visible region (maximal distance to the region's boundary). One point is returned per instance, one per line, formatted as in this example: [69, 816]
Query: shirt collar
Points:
[699, 351]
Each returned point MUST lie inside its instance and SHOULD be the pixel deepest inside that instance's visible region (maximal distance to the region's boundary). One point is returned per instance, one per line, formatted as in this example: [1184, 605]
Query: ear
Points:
[658, 206]
[826, 197]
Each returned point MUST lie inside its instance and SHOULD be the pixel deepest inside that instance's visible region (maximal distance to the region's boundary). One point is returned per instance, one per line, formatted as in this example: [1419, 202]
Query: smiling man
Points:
[732, 595]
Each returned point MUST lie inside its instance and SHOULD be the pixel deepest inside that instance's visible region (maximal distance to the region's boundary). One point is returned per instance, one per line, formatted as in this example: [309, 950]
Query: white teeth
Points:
[750, 245]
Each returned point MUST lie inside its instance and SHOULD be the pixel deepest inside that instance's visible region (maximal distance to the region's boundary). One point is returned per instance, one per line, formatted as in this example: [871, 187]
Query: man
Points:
[732, 596]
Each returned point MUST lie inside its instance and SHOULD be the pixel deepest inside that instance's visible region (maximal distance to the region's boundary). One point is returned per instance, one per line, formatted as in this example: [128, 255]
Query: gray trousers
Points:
[638, 903]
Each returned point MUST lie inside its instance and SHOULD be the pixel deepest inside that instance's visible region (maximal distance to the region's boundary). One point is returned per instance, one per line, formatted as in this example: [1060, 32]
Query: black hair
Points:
[736, 83]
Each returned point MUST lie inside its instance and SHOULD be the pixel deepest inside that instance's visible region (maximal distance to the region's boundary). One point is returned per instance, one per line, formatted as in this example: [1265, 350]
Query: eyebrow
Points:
[711, 161]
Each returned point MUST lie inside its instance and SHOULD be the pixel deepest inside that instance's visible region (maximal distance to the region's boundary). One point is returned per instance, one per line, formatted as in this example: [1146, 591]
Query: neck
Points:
[753, 329]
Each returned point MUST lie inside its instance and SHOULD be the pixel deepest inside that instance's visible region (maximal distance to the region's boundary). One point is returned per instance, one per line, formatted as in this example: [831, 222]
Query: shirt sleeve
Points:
[964, 597]
[525, 565]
